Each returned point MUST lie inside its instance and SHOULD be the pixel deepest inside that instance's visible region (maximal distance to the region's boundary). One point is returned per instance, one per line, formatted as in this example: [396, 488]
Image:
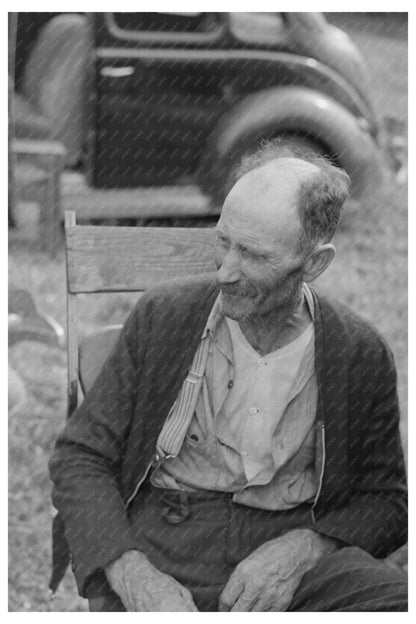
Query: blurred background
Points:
[139, 119]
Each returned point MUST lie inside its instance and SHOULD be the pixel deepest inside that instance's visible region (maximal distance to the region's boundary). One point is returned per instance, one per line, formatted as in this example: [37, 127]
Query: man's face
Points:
[258, 269]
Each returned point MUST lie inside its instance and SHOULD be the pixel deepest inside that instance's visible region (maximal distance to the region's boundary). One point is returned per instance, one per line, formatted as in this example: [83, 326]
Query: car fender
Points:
[277, 111]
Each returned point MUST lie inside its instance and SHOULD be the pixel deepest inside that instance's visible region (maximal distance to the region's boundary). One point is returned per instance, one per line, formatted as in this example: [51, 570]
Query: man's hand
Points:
[143, 588]
[268, 578]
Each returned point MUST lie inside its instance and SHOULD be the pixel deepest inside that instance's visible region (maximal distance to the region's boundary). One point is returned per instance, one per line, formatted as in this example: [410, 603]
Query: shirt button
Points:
[230, 383]
[253, 410]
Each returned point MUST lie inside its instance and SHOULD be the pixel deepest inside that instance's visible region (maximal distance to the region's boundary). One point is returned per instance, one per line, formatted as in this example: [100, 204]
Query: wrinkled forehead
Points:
[265, 199]
[281, 177]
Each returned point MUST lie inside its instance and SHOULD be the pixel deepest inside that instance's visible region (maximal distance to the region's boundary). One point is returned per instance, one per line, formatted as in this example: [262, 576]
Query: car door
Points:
[154, 104]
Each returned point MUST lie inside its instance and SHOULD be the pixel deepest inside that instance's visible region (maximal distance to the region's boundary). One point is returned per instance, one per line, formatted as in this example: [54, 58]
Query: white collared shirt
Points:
[253, 429]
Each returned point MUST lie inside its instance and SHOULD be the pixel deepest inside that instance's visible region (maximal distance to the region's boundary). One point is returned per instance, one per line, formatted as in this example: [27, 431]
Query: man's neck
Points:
[278, 328]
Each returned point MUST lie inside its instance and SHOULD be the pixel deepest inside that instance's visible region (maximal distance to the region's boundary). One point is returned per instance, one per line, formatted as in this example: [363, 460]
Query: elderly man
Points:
[240, 449]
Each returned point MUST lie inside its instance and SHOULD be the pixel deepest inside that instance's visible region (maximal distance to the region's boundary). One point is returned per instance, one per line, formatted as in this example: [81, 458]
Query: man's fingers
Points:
[246, 600]
[230, 593]
[243, 604]
[176, 598]
[176, 603]
[266, 601]
[274, 598]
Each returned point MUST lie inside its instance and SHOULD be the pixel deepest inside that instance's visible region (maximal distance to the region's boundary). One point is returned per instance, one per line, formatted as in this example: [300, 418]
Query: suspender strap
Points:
[174, 430]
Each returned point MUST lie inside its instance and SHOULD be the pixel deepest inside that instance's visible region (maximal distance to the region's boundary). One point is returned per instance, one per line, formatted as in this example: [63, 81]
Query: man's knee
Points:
[351, 580]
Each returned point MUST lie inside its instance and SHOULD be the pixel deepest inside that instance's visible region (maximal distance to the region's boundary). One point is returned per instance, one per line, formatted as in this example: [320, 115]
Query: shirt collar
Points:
[214, 318]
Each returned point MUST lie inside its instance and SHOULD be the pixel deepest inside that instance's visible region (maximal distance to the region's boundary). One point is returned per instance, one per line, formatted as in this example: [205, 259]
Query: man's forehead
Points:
[280, 173]
[263, 202]
[269, 192]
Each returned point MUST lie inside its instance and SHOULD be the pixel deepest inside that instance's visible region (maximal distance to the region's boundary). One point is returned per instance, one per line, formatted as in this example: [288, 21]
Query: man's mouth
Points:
[237, 293]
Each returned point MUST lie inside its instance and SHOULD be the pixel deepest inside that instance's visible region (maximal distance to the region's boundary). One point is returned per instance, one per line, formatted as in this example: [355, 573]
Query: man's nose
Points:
[229, 270]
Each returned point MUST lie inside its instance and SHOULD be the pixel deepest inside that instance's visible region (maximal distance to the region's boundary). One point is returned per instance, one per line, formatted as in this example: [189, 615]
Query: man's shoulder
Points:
[340, 321]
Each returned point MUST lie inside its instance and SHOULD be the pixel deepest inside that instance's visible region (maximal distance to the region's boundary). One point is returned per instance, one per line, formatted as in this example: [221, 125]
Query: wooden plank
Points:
[111, 259]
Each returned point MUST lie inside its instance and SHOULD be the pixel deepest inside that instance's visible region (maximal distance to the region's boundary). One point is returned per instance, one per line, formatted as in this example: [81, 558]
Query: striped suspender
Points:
[174, 430]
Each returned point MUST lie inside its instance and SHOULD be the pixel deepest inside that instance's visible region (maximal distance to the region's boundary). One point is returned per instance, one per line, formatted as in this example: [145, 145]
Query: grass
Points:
[369, 274]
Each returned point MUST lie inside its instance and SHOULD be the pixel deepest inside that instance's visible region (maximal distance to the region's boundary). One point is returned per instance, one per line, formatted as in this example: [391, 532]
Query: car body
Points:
[178, 98]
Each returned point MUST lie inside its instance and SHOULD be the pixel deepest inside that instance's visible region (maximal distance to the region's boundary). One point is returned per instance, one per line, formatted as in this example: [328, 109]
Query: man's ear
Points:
[318, 262]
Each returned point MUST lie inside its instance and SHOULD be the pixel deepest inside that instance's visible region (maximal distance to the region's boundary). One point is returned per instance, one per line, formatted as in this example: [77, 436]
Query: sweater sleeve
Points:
[85, 464]
[376, 517]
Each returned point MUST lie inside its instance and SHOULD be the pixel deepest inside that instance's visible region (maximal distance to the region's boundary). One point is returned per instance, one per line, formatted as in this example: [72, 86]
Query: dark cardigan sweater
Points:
[109, 442]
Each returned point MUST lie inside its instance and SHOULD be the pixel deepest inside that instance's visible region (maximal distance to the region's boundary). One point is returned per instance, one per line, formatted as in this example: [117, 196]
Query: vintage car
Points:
[155, 99]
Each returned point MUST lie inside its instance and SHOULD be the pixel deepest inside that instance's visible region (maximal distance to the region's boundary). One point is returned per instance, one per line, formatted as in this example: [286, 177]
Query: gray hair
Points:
[320, 198]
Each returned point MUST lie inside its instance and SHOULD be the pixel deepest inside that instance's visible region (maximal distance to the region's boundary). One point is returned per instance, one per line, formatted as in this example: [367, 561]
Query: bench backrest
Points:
[119, 259]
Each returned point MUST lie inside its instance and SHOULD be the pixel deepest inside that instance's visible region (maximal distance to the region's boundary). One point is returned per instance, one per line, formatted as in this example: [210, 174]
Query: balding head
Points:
[287, 170]
[267, 198]
[319, 189]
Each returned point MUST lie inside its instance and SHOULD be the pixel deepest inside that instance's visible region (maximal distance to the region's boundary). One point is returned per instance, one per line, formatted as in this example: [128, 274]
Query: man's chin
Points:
[235, 308]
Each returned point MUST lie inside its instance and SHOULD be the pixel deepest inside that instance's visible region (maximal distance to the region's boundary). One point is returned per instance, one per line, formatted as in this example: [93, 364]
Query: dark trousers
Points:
[200, 538]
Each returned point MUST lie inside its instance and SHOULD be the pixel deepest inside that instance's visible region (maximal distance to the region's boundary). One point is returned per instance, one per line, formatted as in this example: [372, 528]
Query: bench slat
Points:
[112, 259]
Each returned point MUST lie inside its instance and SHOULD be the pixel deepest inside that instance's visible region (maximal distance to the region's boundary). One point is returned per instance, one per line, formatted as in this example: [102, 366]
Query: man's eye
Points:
[249, 253]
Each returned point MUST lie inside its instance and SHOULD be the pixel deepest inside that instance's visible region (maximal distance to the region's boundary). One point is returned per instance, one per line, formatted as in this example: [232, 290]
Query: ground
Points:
[369, 274]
